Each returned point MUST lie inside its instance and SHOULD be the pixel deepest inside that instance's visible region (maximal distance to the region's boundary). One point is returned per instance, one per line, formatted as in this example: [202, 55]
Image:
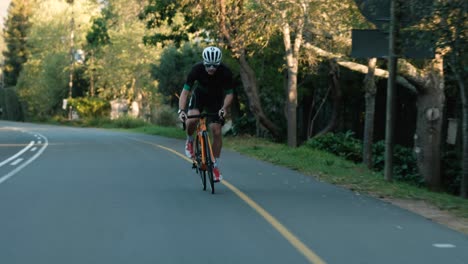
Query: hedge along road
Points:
[97, 196]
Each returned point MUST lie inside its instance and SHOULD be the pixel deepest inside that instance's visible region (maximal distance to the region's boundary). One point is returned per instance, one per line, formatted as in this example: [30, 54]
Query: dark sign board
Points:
[369, 43]
[378, 11]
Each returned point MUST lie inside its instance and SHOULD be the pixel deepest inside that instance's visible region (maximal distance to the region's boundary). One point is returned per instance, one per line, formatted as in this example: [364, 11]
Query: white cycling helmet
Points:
[212, 55]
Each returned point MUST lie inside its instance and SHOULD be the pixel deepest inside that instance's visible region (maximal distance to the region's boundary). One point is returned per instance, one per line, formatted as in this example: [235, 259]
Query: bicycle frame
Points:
[202, 135]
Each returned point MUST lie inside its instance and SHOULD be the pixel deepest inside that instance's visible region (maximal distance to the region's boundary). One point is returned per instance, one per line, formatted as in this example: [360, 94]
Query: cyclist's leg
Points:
[215, 129]
[214, 105]
[217, 138]
[195, 106]
[216, 147]
[191, 124]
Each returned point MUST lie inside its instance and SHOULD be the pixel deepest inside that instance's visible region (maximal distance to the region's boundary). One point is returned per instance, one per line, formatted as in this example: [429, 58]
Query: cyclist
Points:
[213, 93]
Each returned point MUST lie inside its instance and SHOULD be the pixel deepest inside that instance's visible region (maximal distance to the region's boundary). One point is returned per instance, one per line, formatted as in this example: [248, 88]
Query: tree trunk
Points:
[91, 75]
[428, 137]
[464, 102]
[370, 90]
[291, 102]
[250, 86]
[336, 96]
[292, 107]
[464, 172]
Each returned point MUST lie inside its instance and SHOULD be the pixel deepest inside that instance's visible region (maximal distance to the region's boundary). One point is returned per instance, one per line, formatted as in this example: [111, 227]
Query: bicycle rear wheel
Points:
[209, 162]
[198, 159]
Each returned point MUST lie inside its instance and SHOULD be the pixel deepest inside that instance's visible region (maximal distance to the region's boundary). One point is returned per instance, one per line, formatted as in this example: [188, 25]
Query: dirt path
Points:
[433, 213]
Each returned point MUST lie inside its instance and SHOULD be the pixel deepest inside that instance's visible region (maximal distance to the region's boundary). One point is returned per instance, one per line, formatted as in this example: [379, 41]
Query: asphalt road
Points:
[85, 196]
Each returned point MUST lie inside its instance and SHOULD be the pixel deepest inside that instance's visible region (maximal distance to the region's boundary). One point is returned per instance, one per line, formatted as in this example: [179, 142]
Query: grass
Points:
[161, 131]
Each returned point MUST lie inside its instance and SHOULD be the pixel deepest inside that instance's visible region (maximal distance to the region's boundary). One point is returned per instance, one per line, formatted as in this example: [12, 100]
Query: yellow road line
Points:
[290, 237]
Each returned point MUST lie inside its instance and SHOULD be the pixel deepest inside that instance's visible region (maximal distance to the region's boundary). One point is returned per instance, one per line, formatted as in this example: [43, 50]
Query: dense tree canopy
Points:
[15, 33]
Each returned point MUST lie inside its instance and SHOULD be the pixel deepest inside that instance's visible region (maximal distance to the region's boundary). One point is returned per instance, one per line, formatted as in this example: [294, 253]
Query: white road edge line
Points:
[442, 245]
[17, 154]
[14, 163]
[13, 172]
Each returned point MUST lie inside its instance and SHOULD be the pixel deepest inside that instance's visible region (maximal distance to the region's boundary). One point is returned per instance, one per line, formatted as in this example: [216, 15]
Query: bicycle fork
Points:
[203, 140]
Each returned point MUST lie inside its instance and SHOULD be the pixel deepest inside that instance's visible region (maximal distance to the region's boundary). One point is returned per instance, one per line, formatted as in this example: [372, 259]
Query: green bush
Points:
[243, 125]
[128, 122]
[340, 144]
[346, 146]
[90, 107]
[10, 107]
[451, 169]
[404, 162]
[164, 116]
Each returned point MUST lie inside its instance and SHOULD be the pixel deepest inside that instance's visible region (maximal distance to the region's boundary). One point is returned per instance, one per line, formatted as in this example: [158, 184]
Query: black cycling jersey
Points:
[216, 85]
[209, 90]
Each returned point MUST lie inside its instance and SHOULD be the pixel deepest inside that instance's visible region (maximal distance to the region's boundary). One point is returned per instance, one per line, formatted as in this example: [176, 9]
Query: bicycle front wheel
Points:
[198, 159]
[209, 162]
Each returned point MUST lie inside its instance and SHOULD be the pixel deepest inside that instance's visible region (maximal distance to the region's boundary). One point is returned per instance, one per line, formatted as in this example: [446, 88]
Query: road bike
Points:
[203, 159]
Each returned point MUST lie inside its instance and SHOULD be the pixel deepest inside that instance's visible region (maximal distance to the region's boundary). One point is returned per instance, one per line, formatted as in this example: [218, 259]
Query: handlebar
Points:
[203, 115]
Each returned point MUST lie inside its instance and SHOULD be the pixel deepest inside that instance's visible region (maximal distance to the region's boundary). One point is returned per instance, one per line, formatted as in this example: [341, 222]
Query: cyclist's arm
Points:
[183, 97]
[227, 101]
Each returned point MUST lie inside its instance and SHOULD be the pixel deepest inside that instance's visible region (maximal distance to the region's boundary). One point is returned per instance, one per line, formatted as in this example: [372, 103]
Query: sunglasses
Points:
[211, 65]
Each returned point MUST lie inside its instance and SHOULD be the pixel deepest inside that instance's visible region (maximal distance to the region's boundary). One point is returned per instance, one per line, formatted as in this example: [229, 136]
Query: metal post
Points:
[392, 69]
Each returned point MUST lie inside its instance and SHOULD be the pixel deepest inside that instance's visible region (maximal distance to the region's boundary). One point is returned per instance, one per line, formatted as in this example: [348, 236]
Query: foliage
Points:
[164, 116]
[176, 21]
[269, 69]
[15, 36]
[121, 64]
[43, 82]
[340, 144]
[124, 122]
[98, 34]
[128, 122]
[10, 107]
[350, 148]
[451, 166]
[90, 107]
[404, 162]
[173, 67]
[245, 124]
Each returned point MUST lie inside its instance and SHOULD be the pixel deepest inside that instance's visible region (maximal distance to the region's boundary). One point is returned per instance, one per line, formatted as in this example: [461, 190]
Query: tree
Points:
[15, 34]
[43, 83]
[123, 64]
[96, 38]
[452, 24]
[292, 16]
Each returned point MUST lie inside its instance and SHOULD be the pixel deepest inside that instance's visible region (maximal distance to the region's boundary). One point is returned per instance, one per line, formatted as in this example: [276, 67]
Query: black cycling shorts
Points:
[206, 103]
